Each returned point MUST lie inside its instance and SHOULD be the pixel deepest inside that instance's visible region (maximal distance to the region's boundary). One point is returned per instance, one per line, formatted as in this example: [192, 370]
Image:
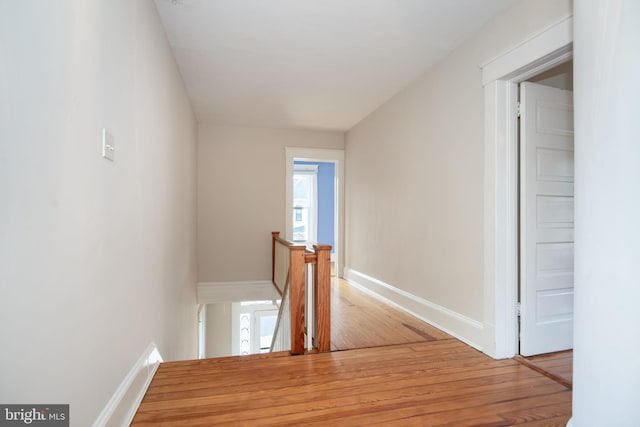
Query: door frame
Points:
[318, 155]
[549, 47]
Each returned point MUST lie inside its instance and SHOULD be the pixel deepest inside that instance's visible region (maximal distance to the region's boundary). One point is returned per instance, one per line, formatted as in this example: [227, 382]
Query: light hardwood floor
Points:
[403, 372]
[359, 321]
[557, 366]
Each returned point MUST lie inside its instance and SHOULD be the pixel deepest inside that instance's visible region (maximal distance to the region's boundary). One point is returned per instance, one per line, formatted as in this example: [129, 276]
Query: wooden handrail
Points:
[299, 256]
[276, 238]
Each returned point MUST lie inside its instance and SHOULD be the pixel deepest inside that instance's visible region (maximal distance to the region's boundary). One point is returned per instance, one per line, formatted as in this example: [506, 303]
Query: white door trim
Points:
[318, 155]
[549, 47]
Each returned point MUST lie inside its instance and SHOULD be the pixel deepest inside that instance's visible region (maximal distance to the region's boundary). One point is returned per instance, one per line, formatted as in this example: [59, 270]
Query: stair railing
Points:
[291, 265]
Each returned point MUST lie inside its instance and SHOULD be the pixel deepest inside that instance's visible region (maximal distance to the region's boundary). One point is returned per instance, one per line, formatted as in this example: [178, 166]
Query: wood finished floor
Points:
[420, 376]
[353, 310]
[558, 366]
[360, 321]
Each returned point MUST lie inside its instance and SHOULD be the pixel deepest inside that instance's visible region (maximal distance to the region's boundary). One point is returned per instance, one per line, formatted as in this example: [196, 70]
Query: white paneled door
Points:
[546, 219]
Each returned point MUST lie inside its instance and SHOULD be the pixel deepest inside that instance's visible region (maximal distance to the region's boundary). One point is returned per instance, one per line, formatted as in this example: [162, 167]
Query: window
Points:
[265, 322]
[255, 323]
[245, 333]
[305, 188]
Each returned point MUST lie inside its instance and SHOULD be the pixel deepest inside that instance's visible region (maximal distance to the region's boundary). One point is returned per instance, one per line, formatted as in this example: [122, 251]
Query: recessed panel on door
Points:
[546, 219]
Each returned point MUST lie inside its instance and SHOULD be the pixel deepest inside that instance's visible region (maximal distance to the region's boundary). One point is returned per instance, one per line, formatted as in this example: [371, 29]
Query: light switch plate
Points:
[108, 147]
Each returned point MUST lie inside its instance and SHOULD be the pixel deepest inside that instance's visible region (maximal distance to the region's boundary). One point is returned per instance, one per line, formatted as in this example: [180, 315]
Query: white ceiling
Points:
[319, 64]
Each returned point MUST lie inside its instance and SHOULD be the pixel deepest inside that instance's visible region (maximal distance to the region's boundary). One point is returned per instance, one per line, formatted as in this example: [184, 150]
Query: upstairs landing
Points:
[442, 382]
[393, 370]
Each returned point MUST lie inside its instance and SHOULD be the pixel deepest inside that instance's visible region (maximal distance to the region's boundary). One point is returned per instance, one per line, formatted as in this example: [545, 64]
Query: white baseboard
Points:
[465, 329]
[216, 292]
[124, 403]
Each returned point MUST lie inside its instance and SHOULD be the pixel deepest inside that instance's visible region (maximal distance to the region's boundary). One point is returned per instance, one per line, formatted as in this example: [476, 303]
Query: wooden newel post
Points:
[322, 298]
[296, 297]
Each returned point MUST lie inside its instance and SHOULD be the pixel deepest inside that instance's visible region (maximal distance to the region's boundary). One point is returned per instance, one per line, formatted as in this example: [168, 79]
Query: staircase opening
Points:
[236, 328]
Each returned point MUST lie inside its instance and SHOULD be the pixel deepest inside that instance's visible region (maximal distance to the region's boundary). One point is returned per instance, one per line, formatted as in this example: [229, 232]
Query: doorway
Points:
[326, 159]
[314, 204]
[546, 214]
[541, 51]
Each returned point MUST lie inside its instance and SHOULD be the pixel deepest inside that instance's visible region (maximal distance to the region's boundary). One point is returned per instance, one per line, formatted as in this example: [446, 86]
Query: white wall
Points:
[218, 333]
[415, 173]
[560, 77]
[607, 194]
[97, 259]
[241, 196]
